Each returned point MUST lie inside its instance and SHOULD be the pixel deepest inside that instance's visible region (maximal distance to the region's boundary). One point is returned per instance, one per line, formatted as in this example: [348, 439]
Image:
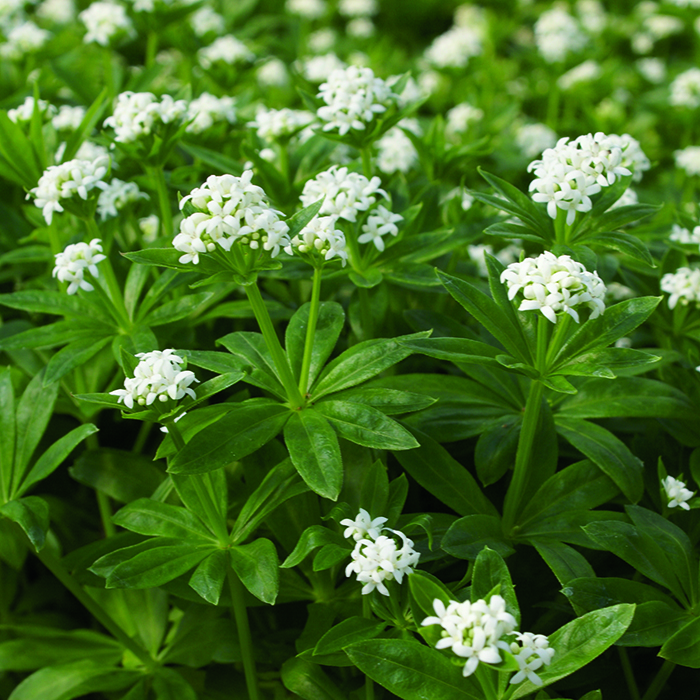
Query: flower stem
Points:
[166, 217]
[240, 615]
[366, 161]
[629, 674]
[366, 313]
[57, 569]
[367, 614]
[310, 332]
[659, 682]
[151, 48]
[273, 345]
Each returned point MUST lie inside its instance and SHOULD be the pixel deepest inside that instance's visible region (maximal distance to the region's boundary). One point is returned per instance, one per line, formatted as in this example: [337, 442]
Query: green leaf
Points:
[456, 350]
[214, 159]
[684, 646]
[243, 430]
[579, 642]
[48, 301]
[208, 578]
[156, 566]
[610, 362]
[624, 243]
[54, 334]
[190, 486]
[567, 527]
[412, 671]
[489, 314]
[169, 257]
[349, 631]
[360, 363]
[366, 426]
[7, 433]
[123, 476]
[149, 517]
[425, 589]
[389, 401]
[74, 355]
[331, 319]
[168, 684]
[617, 322]
[16, 150]
[315, 452]
[490, 571]
[193, 423]
[308, 681]
[55, 455]
[496, 449]
[87, 124]
[176, 310]
[302, 218]
[32, 515]
[375, 489]
[469, 535]
[564, 561]
[257, 566]
[608, 452]
[220, 362]
[313, 537]
[435, 470]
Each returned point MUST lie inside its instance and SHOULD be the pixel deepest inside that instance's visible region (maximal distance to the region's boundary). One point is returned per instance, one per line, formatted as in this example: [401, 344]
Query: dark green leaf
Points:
[149, 517]
[389, 401]
[684, 646]
[32, 515]
[469, 535]
[257, 566]
[349, 631]
[456, 350]
[208, 578]
[74, 355]
[313, 537]
[308, 681]
[490, 571]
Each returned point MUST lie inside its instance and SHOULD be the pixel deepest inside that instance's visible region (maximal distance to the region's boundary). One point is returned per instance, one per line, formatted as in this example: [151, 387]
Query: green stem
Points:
[166, 217]
[273, 345]
[284, 162]
[366, 161]
[560, 227]
[105, 513]
[366, 313]
[553, 106]
[557, 339]
[542, 338]
[659, 682]
[629, 674]
[310, 331]
[151, 47]
[142, 437]
[240, 615]
[109, 74]
[367, 614]
[57, 569]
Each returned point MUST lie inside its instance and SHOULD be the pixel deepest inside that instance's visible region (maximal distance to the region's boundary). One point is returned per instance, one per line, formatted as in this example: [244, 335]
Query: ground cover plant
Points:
[349, 350]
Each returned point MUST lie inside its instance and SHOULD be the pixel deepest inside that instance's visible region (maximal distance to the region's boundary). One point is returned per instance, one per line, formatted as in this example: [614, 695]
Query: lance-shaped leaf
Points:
[208, 578]
[468, 536]
[32, 515]
[490, 571]
[149, 517]
[684, 646]
[257, 566]
[349, 631]
[176, 310]
[313, 537]
[47, 301]
[169, 257]
[456, 350]
[74, 355]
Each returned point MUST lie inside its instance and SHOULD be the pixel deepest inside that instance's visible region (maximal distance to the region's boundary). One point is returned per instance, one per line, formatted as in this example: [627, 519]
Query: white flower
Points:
[68, 118]
[64, 181]
[321, 237]
[533, 139]
[56, 11]
[396, 152]
[357, 8]
[684, 236]
[226, 49]
[375, 562]
[460, 117]
[273, 73]
[72, 263]
[23, 39]
[138, 114]
[158, 375]
[454, 48]
[150, 226]
[363, 526]
[379, 223]
[557, 33]
[353, 97]
[206, 20]
[554, 285]
[532, 652]
[206, 110]
[652, 69]
[688, 159]
[274, 124]
[24, 112]
[618, 292]
[230, 210]
[685, 89]
[677, 493]
[117, 195]
[360, 28]
[683, 285]
[570, 173]
[316, 69]
[105, 21]
[592, 15]
[346, 194]
[309, 9]
[585, 72]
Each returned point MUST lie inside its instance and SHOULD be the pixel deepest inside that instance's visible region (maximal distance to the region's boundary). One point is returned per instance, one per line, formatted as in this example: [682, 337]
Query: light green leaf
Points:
[149, 517]
[257, 566]
[208, 578]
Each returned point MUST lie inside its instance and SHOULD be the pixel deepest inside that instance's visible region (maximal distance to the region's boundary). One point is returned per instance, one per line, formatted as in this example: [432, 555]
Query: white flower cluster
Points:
[149, 226]
[683, 285]
[380, 222]
[652, 69]
[395, 151]
[138, 114]
[454, 48]
[64, 181]
[533, 139]
[585, 72]
[308, 9]
[159, 375]
[226, 49]
[633, 156]
[56, 11]
[230, 210]
[461, 116]
[23, 39]
[688, 159]
[677, 493]
[570, 173]
[207, 109]
[378, 558]
[357, 8]
[684, 236]
[273, 73]
[317, 69]
[353, 97]
[117, 195]
[685, 89]
[273, 124]
[554, 285]
[106, 21]
[24, 112]
[322, 237]
[68, 118]
[206, 20]
[72, 263]
[557, 33]
[531, 651]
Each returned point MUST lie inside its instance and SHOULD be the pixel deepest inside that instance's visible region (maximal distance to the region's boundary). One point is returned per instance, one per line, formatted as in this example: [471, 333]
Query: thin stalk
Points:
[105, 513]
[57, 569]
[273, 345]
[560, 227]
[367, 614]
[166, 216]
[284, 161]
[629, 674]
[240, 615]
[366, 313]
[109, 73]
[366, 161]
[151, 47]
[141, 438]
[310, 331]
[659, 682]
[557, 339]
[553, 106]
